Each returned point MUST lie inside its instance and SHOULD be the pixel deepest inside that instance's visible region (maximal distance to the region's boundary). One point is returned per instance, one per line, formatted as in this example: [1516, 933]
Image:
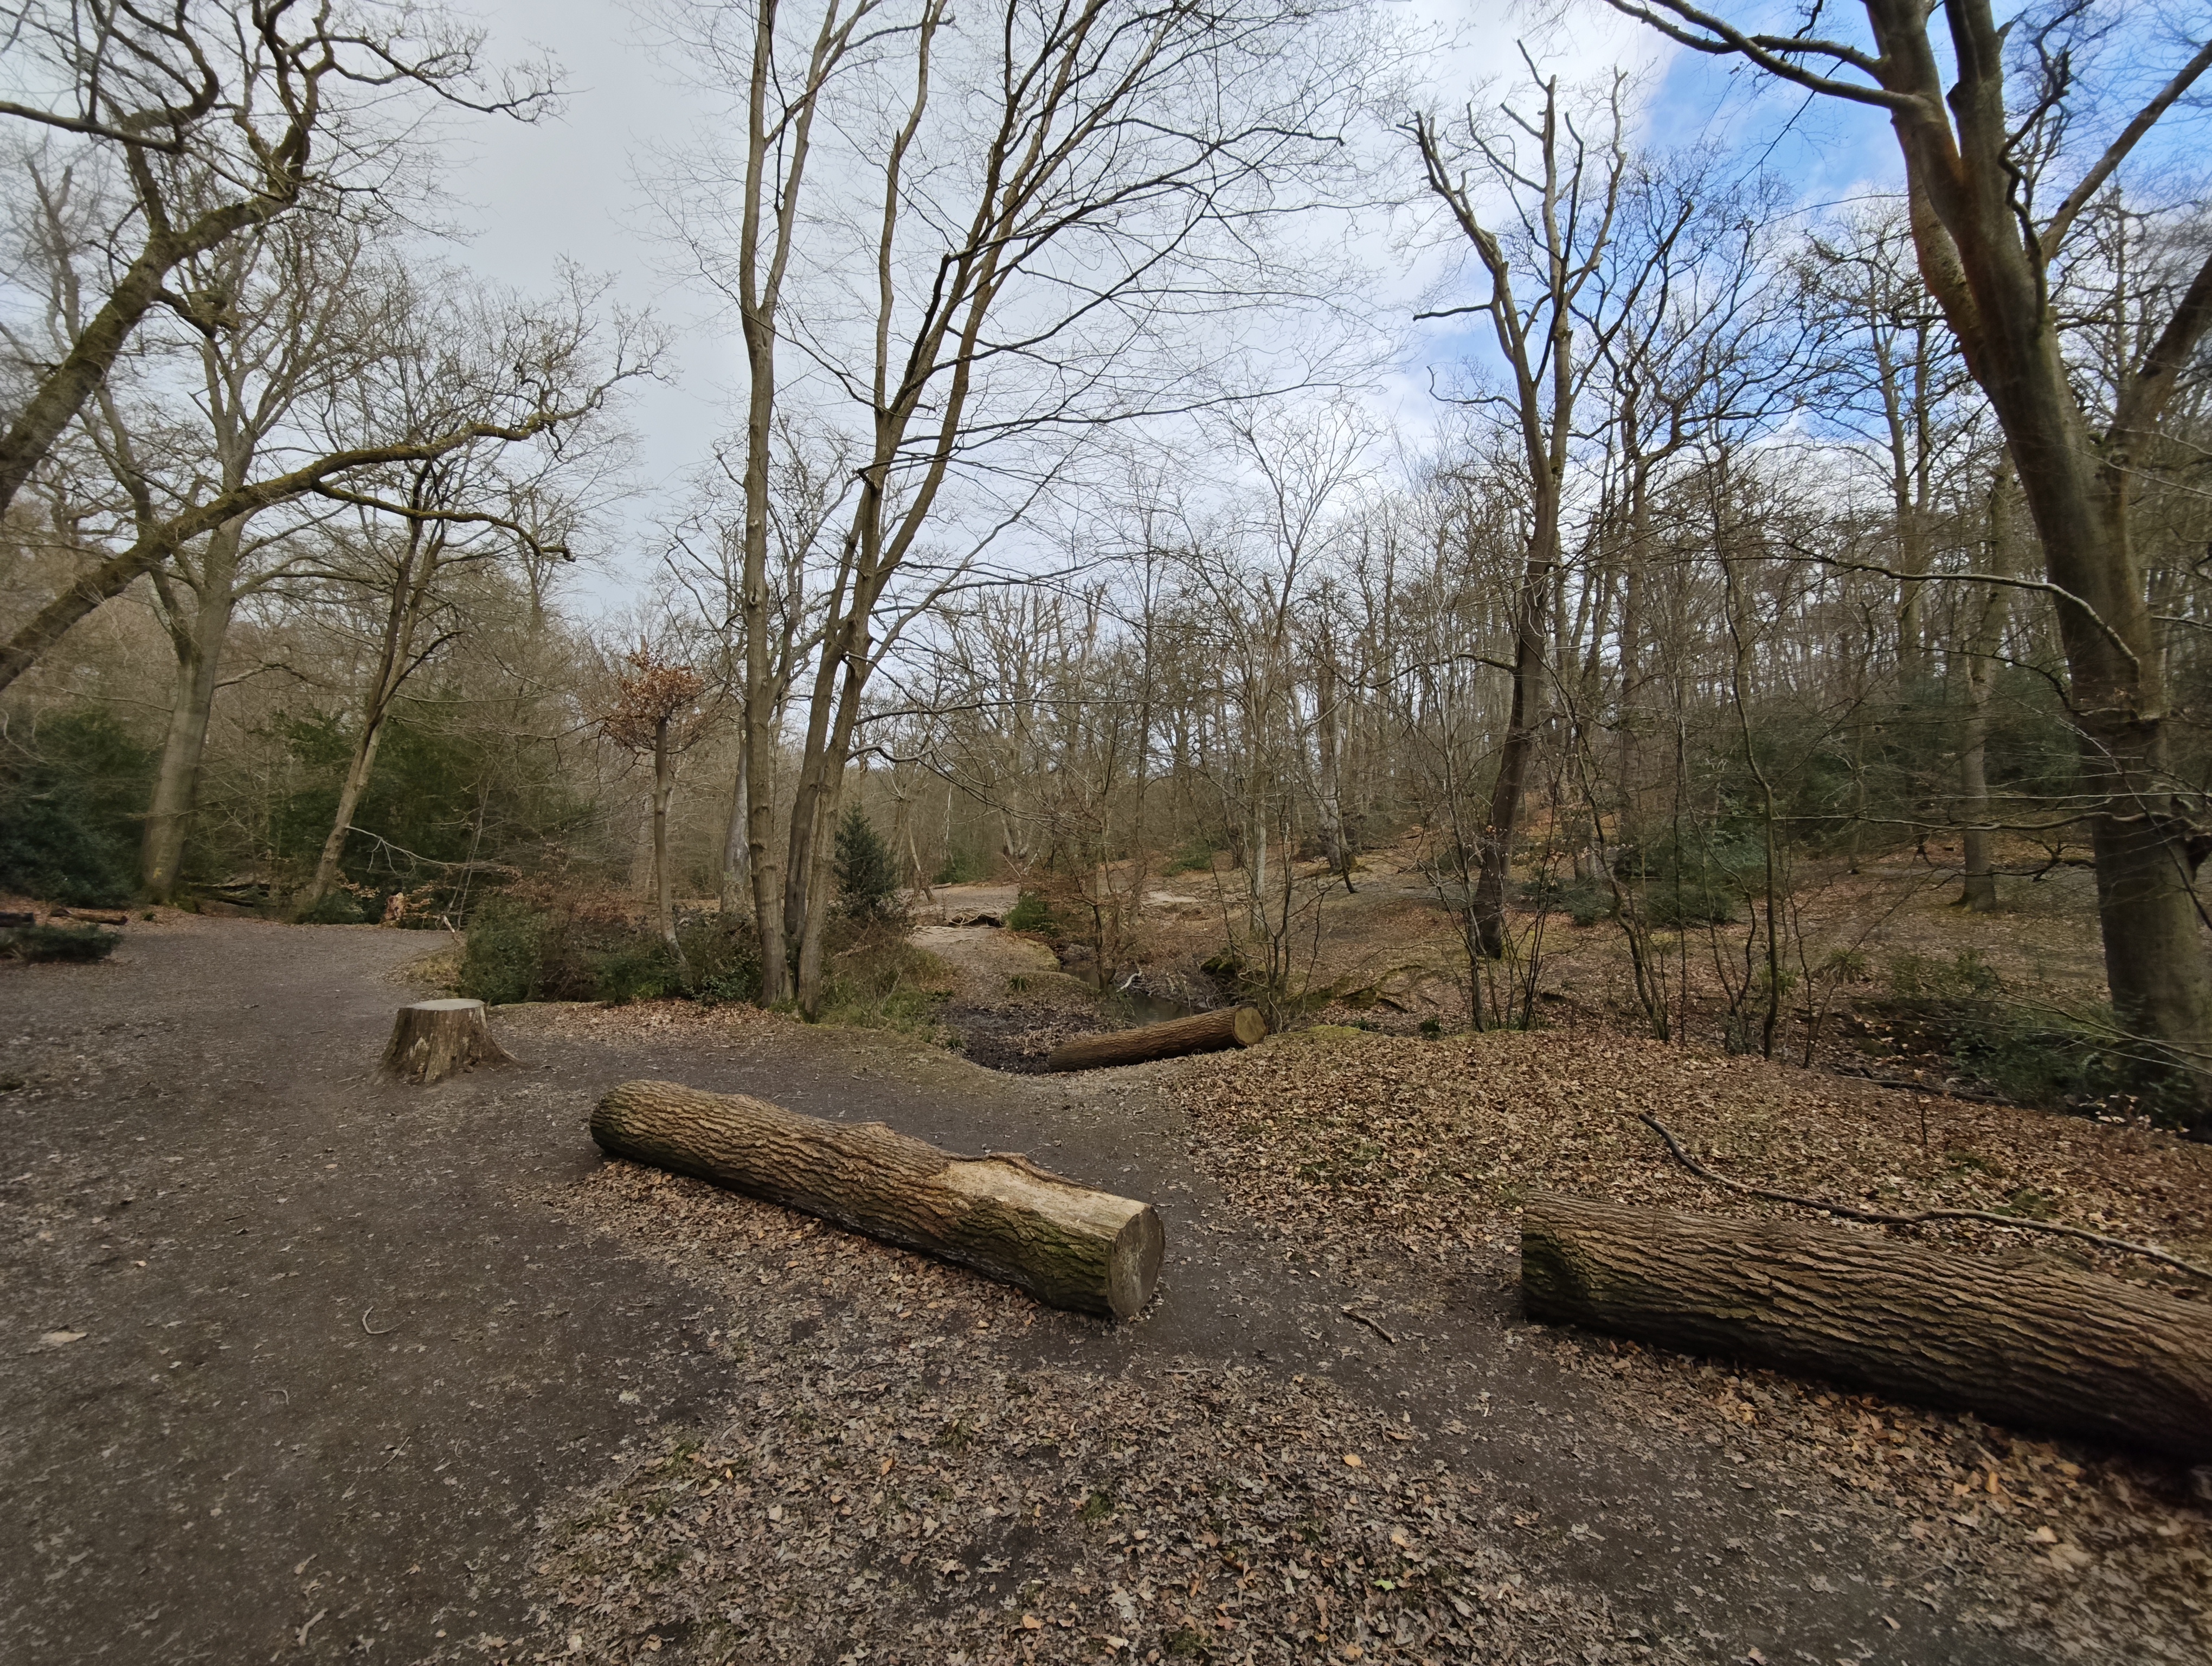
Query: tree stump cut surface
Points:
[1064, 1243]
[1202, 1032]
[433, 1039]
[2028, 1342]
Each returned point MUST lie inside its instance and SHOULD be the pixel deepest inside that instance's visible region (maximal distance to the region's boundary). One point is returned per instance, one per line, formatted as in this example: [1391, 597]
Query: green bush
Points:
[867, 878]
[2059, 1060]
[58, 943]
[72, 798]
[501, 954]
[1698, 877]
[1585, 902]
[961, 867]
[337, 907]
[723, 957]
[1966, 976]
[440, 793]
[1030, 913]
[639, 968]
[879, 980]
[1196, 857]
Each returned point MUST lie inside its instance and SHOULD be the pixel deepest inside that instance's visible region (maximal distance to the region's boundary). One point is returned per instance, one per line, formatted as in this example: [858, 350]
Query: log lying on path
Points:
[433, 1039]
[1202, 1032]
[1067, 1245]
[2027, 1343]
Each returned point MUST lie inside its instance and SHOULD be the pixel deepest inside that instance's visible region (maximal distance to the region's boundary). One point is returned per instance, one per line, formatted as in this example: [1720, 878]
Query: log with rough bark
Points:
[1001, 1214]
[1202, 1032]
[2026, 1341]
[433, 1039]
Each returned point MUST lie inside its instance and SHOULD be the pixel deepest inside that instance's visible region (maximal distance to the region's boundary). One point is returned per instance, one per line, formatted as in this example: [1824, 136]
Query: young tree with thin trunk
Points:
[458, 507]
[656, 711]
[1567, 195]
[279, 326]
[1041, 210]
[1986, 607]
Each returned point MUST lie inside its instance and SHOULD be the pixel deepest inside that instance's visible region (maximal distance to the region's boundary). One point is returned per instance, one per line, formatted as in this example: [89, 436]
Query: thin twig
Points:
[1353, 1313]
[387, 1331]
[1881, 1219]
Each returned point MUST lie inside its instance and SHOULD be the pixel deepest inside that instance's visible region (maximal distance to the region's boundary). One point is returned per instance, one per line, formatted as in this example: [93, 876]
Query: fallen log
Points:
[1202, 1032]
[1064, 1243]
[433, 1039]
[2024, 1342]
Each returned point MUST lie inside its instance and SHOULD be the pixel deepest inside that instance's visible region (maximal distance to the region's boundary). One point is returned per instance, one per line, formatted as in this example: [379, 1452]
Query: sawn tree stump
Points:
[1065, 1243]
[2029, 1343]
[432, 1039]
[1202, 1032]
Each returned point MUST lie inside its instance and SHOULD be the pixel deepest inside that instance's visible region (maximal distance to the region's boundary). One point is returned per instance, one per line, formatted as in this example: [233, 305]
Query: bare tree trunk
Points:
[199, 660]
[1495, 843]
[1987, 610]
[736, 863]
[663, 881]
[1988, 264]
[411, 583]
[359, 767]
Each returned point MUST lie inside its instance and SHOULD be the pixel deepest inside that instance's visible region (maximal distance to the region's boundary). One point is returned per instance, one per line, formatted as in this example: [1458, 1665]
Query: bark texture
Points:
[2029, 1343]
[1202, 1032]
[1062, 1242]
[434, 1039]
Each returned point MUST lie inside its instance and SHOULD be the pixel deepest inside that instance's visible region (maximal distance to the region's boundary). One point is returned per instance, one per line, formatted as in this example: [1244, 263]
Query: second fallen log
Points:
[2029, 1343]
[1066, 1244]
[1202, 1032]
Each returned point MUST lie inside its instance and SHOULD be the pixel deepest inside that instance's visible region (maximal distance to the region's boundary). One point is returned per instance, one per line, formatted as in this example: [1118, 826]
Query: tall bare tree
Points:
[1565, 186]
[1979, 154]
[221, 117]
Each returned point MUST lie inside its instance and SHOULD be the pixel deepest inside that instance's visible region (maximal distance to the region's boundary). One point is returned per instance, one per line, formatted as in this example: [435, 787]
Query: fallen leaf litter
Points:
[890, 1477]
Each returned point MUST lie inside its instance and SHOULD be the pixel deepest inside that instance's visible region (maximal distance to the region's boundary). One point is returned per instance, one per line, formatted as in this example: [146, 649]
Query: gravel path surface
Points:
[302, 1365]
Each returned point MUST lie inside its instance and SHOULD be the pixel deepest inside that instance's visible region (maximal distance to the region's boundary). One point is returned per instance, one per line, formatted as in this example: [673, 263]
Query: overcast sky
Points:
[569, 188]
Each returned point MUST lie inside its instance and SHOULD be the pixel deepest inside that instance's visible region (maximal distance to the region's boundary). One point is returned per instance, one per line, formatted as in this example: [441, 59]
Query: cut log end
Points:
[432, 1040]
[1202, 1032]
[1133, 1270]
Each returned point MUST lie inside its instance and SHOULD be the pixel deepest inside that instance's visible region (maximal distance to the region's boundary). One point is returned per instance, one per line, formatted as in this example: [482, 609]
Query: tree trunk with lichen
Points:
[2026, 1341]
[1065, 1243]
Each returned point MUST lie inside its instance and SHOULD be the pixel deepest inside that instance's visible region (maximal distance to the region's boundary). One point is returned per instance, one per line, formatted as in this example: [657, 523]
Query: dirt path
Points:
[302, 1365]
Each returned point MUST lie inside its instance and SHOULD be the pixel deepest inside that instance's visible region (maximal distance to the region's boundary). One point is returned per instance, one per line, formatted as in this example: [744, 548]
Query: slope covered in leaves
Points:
[1350, 1144]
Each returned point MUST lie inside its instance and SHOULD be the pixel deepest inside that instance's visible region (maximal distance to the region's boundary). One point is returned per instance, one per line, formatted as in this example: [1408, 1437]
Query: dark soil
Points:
[306, 1364]
[1016, 1035]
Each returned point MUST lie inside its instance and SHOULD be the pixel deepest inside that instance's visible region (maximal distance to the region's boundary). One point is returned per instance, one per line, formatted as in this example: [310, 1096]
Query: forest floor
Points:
[1384, 956]
[308, 1365]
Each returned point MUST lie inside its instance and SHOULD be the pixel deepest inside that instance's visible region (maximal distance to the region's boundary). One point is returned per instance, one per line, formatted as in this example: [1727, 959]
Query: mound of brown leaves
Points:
[1439, 1142]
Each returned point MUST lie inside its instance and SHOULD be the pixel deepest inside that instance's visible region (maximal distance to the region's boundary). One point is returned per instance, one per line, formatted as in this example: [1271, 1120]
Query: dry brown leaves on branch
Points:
[653, 692]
